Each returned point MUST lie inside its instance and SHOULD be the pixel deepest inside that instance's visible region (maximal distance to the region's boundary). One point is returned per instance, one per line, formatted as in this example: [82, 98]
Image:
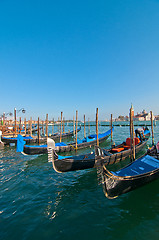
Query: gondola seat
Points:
[128, 141]
[126, 147]
[116, 150]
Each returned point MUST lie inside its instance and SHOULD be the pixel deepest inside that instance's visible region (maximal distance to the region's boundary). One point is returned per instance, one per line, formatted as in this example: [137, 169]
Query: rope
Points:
[74, 147]
[86, 156]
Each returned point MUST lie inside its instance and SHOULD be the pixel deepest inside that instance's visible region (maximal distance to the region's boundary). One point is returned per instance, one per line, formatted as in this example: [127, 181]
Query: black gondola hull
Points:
[88, 161]
[66, 165]
[8, 140]
[31, 150]
[113, 188]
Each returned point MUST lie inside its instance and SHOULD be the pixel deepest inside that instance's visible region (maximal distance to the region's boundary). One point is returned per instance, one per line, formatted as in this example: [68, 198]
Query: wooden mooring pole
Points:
[15, 121]
[76, 127]
[131, 132]
[46, 126]
[43, 128]
[20, 124]
[84, 126]
[97, 126]
[25, 126]
[111, 125]
[61, 127]
[31, 126]
[132, 139]
[152, 127]
[52, 126]
[3, 123]
[38, 130]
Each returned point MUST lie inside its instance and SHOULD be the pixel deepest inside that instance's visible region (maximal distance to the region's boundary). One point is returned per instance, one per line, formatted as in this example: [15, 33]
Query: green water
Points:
[38, 203]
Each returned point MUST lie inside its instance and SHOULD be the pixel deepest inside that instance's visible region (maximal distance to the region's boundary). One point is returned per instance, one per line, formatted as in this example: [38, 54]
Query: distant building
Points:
[157, 117]
[126, 118]
[122, 118]
[143, 116]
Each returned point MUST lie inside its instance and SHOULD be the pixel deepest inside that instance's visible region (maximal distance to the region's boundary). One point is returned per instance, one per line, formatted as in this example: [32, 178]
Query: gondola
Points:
[34, 139]
[122, 151]
[63, 147]
[140, 172]
[56, 136]
[86, 161]
[34, 129]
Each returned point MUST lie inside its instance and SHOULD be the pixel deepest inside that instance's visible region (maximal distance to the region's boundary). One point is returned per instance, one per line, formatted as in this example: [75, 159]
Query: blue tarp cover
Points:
[15, 138]
[140, 166]
[20, 143]
[63, 157]
[45, 146]
[94, 137]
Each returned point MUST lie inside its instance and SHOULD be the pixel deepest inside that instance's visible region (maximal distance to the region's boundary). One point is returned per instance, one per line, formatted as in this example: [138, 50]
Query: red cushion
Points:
[117, 149]
[126, 147]
[128, 141]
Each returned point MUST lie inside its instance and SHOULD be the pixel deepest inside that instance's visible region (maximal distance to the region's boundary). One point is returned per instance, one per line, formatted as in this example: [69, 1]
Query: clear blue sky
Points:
[78, 55]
